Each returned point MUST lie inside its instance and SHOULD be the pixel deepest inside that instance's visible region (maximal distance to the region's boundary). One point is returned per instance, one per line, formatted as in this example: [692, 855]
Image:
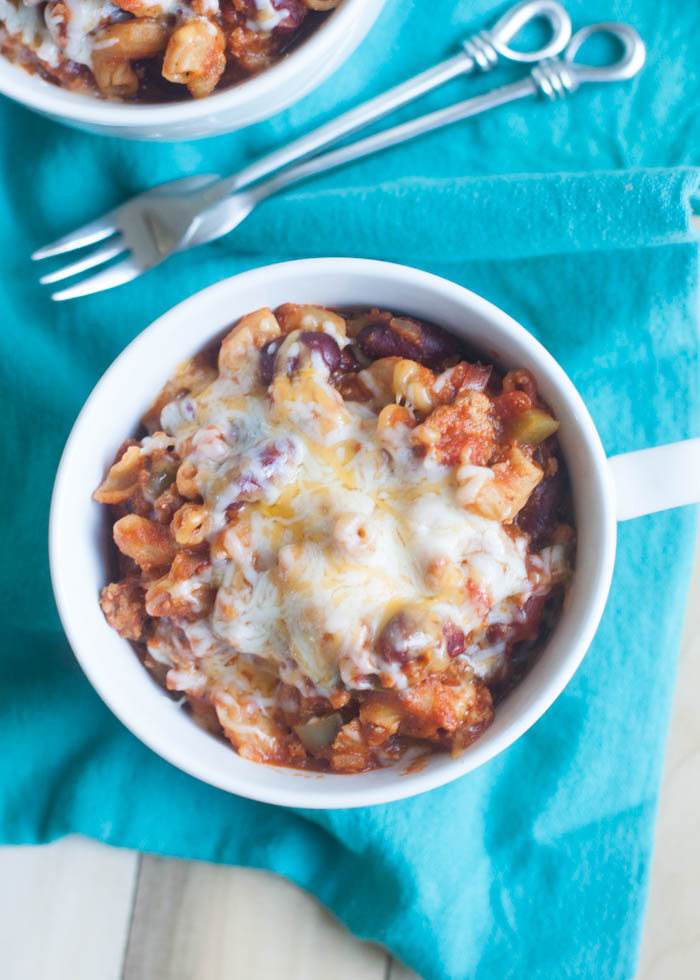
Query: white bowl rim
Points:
[89, 110]
[341, 796]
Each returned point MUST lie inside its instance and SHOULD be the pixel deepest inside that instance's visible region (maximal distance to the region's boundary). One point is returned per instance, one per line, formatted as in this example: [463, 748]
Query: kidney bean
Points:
[351, 388]
[538, 517]
[348, 360]
[324, 345]
[268, 360]
[296, 12]
[531, 617]
[232, 509]
[465, 376]
[267, 465]
[475, 377]
[454, 637]
[496, 633]
[524, 629]
[312, 340]
[411, 634]
[401, 337]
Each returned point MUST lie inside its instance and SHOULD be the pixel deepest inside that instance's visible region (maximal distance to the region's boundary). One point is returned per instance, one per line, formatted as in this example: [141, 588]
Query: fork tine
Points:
[115, 275]
[109, 251]
[93, 231]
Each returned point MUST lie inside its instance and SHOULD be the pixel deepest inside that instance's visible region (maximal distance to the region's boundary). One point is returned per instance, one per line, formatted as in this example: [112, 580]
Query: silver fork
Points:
[552, 78]
[150, 226]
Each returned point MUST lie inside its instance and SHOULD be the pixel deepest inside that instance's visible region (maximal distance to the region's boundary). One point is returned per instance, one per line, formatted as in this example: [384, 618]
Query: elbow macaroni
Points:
[87, 45]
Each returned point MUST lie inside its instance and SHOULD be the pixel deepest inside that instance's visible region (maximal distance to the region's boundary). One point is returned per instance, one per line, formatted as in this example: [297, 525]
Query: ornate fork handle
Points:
[552, 78]
[480, 53]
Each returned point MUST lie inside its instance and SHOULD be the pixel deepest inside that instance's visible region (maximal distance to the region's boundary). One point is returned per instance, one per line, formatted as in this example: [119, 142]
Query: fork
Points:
[551, 78]
[150, 225]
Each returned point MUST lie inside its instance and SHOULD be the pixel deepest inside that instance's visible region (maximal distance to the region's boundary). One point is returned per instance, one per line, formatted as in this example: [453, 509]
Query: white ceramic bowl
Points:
[78, 542]
[224, 112]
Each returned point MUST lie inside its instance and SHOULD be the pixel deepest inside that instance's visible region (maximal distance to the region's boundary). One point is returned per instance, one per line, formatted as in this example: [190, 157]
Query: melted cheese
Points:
[26, 24]
[68, 30]
[336, 527]
[267, 18]
[73, 35]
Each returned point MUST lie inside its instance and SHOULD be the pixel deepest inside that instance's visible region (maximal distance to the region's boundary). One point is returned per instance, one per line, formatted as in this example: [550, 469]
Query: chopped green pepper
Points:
[531, 426]
[319, 732]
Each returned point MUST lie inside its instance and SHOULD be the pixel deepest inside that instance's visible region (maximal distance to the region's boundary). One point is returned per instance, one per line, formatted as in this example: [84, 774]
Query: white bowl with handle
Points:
[225, 111]
[604, 491]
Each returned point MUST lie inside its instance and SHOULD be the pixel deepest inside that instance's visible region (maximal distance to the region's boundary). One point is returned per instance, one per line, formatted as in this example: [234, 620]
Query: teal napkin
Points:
[575, 218]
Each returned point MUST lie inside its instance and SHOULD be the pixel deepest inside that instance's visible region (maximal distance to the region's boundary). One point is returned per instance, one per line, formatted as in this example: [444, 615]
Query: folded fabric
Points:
[482, 218]
[535, 865]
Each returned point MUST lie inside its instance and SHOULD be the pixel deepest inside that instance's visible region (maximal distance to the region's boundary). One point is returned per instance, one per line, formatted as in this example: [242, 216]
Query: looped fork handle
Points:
[551, 77]
[505, 29]
[627, 65]
[555, 78]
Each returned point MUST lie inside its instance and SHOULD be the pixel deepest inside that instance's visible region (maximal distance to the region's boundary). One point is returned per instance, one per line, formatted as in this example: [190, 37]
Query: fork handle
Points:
[346, 124]
[397, 134]
[552, 78]
[223, 216]
[479, 52]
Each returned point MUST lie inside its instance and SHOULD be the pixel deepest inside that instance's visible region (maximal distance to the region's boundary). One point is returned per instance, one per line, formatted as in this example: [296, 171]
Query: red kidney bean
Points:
[496, 633]
[323, 344]
[538, 518]
[264, 466]
[531, 617]
[312, 340]
[525, 628]
[410, 635]
[454, 637]
[296, 12]
[475, 377]
[402, 337]
[465, 376]
[394, 640]
[268, 359]
[348, 360]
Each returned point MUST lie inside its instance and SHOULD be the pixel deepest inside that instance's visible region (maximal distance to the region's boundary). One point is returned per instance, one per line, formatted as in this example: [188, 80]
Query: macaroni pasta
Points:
[339, 538]
[147, 51]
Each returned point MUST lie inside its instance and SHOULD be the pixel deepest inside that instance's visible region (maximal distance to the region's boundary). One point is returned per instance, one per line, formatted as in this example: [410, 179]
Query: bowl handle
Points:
[656, 479]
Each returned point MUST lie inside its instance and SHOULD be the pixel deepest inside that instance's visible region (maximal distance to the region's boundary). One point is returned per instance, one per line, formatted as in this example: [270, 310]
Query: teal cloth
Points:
[575, 218]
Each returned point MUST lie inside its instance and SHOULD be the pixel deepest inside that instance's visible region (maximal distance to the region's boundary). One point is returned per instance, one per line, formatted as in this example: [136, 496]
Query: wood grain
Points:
[65, 910]
[195, 921]
[671, 943]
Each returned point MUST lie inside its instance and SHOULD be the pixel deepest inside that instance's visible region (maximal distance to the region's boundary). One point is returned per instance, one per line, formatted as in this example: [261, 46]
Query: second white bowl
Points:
[260, 97]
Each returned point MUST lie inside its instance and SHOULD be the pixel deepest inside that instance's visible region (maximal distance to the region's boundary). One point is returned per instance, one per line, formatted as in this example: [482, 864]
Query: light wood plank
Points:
[65, 910]
[671, 943]
[195, 921]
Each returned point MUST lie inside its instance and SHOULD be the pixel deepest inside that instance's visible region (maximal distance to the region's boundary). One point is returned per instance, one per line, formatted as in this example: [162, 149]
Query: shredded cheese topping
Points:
[335, 526]
[68, 29]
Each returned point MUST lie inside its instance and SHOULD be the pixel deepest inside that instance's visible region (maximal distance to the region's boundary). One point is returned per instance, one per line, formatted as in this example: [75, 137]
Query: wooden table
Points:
[78, 910]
